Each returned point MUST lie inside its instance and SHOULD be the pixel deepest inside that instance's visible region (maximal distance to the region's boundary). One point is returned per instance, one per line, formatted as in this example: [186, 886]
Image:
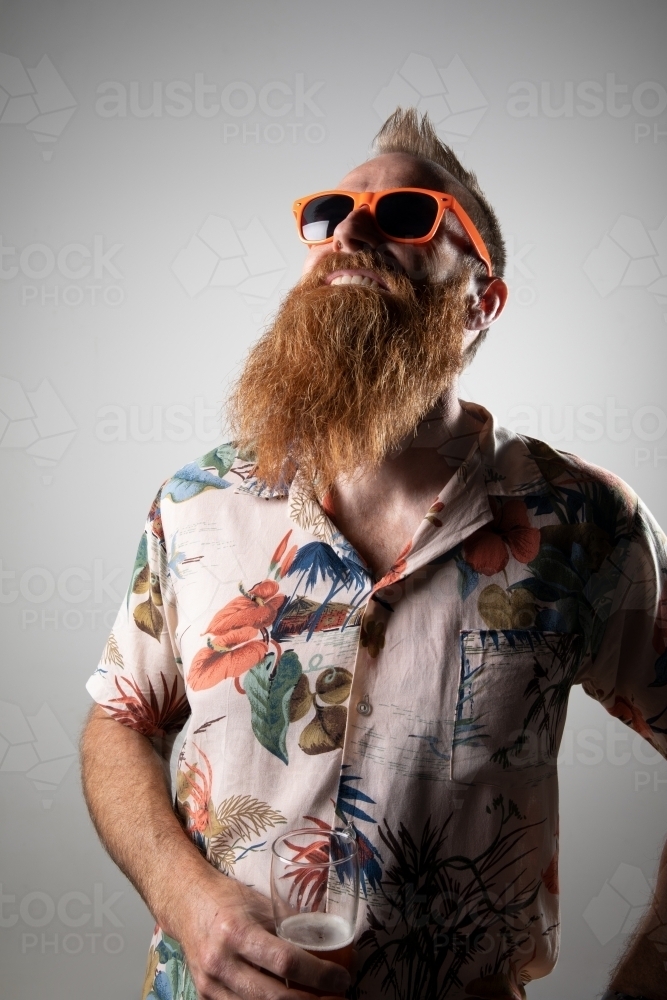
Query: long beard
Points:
[345, 373]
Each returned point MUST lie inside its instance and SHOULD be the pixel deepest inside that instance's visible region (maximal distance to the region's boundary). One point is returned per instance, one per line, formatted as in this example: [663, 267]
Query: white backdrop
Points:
[150, 154]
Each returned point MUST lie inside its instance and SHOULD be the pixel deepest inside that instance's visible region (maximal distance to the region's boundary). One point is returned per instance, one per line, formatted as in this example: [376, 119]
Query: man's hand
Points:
[231, 950]
[643, 968]
[224, 928]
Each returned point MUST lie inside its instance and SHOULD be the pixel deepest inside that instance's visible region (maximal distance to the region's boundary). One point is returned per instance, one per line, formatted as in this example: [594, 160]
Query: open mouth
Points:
[356, 276]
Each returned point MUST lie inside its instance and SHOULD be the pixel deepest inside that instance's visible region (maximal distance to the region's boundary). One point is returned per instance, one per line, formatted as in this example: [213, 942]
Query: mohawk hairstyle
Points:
[405, 132]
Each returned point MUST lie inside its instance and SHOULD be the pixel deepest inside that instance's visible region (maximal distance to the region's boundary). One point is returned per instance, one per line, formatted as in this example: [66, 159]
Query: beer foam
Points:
[317, 931]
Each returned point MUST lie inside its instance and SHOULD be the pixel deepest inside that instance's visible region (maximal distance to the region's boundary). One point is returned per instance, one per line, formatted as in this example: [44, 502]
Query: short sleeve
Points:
[139, 679]
[627, 672]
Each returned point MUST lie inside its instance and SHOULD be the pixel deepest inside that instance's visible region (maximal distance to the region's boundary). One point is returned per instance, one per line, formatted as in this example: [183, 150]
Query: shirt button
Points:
[364, 706]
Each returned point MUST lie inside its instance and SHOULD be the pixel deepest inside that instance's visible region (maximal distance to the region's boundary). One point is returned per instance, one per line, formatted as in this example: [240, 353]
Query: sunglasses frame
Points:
[369, 199]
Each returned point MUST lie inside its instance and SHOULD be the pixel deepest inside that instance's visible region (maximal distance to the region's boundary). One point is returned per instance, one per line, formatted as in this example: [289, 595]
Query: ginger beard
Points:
[346, 372]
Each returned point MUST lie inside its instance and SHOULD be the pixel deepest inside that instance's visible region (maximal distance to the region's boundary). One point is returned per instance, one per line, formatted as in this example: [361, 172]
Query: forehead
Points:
[401, 170]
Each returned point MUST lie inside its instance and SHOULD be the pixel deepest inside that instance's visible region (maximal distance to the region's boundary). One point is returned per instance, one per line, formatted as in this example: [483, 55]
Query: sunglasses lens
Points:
[321, 215]
[406, 215]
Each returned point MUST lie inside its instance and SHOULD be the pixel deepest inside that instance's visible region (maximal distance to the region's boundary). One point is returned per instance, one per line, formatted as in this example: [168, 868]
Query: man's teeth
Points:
[355, 279]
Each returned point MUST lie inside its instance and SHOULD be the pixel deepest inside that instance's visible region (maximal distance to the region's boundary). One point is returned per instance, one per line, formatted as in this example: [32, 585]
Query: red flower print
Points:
[433, 511]
[287, 561]
[210, 666]
[147, 713]
[195, 784]
[258, 607]
[627, 712]
[488, 550]
[280, 551]
[397, 570]
[233, 645]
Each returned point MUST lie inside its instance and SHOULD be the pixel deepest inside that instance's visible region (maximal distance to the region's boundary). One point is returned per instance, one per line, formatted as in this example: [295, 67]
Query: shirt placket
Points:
[465, 509]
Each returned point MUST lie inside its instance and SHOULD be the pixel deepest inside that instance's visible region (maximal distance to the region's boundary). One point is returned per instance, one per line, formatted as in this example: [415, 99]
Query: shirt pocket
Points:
[511, 704]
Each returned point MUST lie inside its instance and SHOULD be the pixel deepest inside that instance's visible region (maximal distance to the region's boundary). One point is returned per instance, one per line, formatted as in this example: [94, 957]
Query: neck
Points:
[424, 461]
[446, 420]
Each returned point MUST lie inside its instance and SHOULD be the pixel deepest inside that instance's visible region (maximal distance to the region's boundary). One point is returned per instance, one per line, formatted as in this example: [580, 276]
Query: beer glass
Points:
[315, 892]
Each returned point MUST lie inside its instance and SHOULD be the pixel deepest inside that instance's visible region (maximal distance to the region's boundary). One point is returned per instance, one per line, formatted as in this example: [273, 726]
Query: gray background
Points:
[115, 360]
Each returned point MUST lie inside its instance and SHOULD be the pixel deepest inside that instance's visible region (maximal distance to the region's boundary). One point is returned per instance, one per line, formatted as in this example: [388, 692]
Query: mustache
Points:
[345, 372]
[396, 277]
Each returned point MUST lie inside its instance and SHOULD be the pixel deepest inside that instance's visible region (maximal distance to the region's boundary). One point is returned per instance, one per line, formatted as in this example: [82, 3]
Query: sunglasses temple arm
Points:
[474, 236]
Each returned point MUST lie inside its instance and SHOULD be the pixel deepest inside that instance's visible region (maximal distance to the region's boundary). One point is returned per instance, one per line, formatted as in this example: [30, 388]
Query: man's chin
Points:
[345, 373]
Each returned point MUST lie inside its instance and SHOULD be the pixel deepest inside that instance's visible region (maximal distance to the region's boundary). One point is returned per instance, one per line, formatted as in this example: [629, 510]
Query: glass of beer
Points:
[315, 892]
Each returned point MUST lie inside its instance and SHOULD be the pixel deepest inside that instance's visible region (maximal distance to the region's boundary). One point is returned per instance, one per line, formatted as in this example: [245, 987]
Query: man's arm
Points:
[224, 928]
[643, 968]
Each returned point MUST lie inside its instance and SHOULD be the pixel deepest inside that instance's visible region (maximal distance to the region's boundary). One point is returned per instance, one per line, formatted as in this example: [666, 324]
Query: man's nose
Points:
[357, 231]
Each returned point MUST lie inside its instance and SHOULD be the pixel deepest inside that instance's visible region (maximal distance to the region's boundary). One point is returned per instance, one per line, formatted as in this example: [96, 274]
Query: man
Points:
[370, 610]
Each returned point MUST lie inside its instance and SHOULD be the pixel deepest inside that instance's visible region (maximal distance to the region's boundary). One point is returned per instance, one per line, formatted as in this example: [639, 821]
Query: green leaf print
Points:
[269, 689]
[189, 991]
[221, 458]
[205, 473]
[174, 981]
[140, 561]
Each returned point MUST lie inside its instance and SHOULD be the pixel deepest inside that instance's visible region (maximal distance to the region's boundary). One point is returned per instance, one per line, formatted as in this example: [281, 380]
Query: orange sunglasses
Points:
[403, 215]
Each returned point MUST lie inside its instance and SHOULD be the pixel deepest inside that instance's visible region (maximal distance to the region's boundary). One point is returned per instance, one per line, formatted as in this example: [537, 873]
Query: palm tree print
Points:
[437, 911]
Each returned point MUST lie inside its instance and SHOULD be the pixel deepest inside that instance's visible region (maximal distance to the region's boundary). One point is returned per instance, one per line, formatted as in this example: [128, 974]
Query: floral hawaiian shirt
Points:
[424, 708]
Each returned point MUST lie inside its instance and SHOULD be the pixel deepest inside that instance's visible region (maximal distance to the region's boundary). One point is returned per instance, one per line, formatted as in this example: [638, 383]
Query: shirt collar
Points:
[496, 462]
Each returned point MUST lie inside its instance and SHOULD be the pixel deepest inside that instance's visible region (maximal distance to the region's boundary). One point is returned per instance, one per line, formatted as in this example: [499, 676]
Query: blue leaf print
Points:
[468, 577]
[369, 869]
[162, 987]
[358, 571]
[190, 481]
[204, 474]
[539, 502]
[347, 797]
[318, 559]
[369, 856]
[548, 620]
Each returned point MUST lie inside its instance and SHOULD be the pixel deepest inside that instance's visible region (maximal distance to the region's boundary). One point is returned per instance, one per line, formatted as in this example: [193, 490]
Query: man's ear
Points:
[488, 301]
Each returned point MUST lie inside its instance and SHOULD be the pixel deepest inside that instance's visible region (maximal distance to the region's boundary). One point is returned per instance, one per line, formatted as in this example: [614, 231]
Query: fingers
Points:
[244, 982]
[292, 963]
